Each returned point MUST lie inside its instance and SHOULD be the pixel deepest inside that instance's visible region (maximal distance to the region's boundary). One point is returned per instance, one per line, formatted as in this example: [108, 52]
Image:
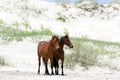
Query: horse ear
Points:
[53, 36]
[66, 36]
[60, 40]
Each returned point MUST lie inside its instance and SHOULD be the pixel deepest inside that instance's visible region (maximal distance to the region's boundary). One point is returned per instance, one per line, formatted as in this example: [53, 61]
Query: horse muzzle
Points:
[71, 46]
[57, 48]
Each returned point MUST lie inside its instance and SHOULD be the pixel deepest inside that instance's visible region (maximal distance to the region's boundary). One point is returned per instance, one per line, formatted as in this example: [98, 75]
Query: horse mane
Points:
[61, 39]
[54, 36]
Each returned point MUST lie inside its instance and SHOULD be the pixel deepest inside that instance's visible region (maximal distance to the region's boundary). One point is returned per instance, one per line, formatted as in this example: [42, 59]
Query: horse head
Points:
[55, 41]
[65, 40]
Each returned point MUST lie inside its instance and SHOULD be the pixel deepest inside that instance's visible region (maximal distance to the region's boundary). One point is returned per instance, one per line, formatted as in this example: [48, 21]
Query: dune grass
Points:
[8, 34]
[2, 61]
[86, 52]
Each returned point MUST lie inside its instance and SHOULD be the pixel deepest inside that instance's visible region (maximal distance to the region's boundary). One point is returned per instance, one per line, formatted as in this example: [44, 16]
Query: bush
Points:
[86, 52]
[1, 21]
[2, 61]
[61, 17]
[82, 54]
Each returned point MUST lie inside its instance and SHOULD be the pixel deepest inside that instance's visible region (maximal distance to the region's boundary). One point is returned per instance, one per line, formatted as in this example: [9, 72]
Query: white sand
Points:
[22, 59]
[101, 26]
[22, 56]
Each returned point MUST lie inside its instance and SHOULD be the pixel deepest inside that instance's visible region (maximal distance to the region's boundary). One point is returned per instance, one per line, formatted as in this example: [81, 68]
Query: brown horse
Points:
[59, 54]
[45, 50]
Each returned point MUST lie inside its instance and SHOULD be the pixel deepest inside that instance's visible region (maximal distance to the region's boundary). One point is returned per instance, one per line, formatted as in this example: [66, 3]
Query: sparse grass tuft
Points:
[26, 24]
[1, 21]
[66, 31]
[16, 24]
[2, 61]
[46, 31]
[61, 17]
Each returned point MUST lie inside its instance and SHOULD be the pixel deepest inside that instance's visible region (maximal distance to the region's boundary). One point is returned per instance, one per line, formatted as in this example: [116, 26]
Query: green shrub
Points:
[61, 17]
[26, 24]
[86, 52]
[2, 61]
[1, 21]
[82, 54]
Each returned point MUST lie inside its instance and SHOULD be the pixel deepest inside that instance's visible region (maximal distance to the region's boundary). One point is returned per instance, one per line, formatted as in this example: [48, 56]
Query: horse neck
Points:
[50, 45]
[61, 45]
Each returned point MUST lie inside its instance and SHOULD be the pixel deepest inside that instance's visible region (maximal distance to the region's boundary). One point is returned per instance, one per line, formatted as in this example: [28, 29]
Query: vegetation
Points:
[2, 61]
[26, 24]
[1, 21]
[86, 52]
[61, 17]
[8, 34]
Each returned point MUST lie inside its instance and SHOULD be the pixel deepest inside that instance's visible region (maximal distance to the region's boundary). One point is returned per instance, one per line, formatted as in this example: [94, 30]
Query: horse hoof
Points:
[38, 72]
[52, 73]
[46, 73]
[62, 74]
[56, 73]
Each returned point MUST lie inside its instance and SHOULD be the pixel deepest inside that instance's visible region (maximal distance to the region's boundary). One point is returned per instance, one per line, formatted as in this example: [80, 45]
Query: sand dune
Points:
[99, 22]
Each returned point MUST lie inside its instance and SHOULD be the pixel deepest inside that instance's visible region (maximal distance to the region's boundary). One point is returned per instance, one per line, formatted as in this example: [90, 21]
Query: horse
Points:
[45, 50]
[59, 54]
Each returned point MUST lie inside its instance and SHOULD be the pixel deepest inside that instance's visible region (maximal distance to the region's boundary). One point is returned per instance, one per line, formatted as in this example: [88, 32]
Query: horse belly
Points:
[42, 48]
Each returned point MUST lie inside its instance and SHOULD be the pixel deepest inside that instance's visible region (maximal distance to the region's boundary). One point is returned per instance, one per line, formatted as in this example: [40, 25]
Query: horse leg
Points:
[55, 70]
[39, 63]
[55, 63]
[46, 68]
[51, 60]
[57, 66]
[62, 67]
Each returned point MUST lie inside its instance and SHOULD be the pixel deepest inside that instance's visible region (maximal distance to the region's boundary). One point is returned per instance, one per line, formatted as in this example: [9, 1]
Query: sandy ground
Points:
[22, 59]
[22, 56]
[70, 75]
[100, 24]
